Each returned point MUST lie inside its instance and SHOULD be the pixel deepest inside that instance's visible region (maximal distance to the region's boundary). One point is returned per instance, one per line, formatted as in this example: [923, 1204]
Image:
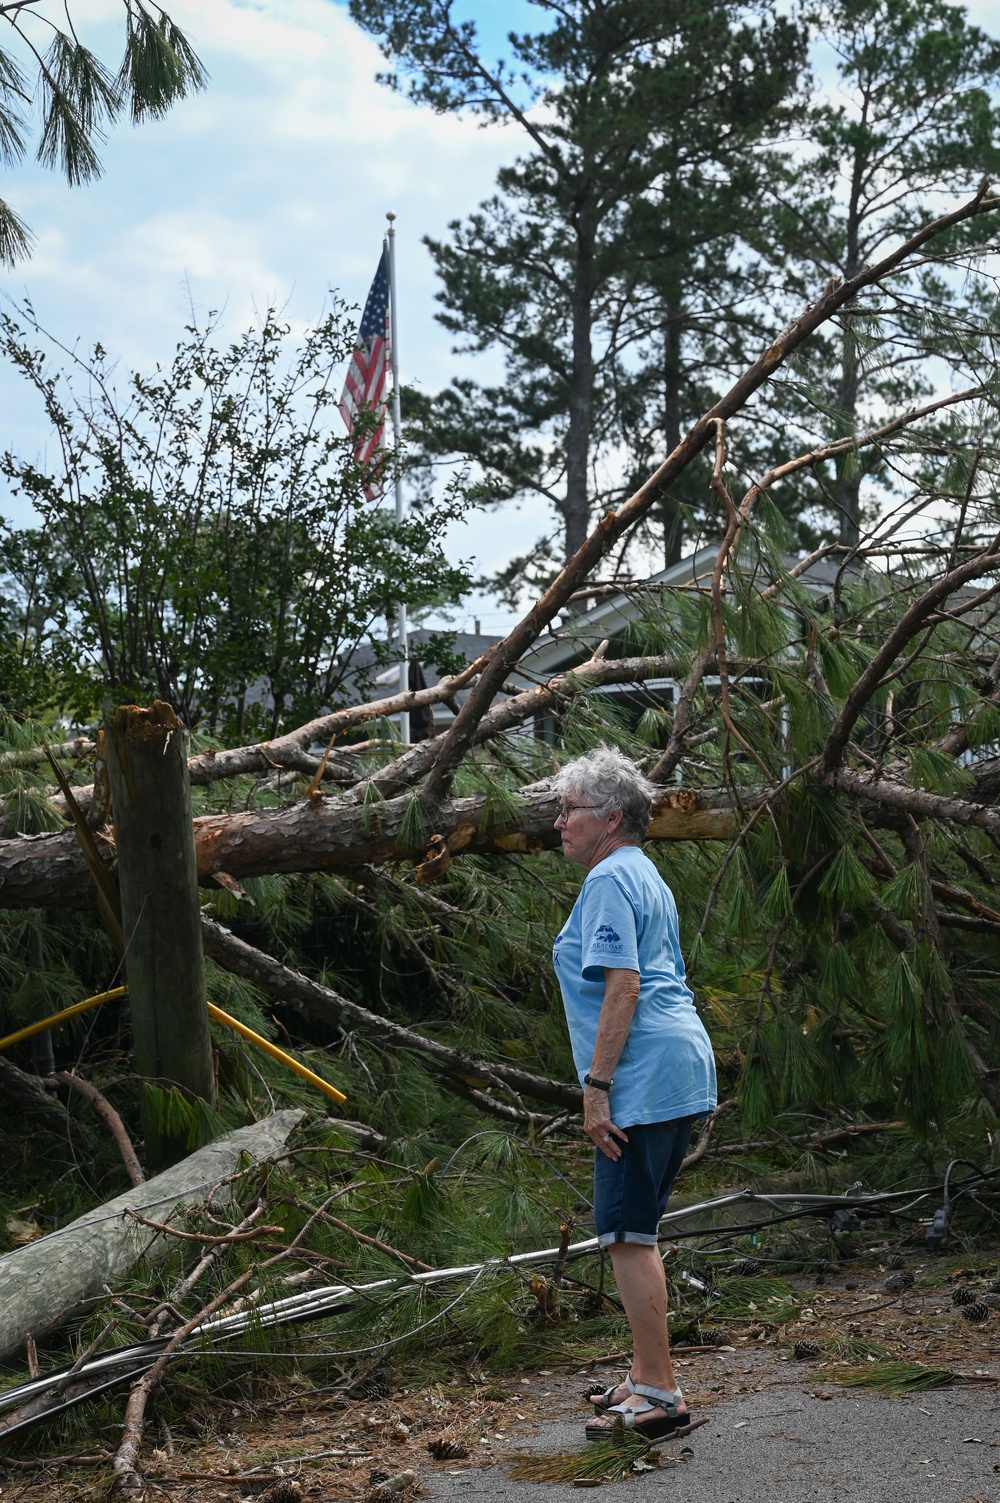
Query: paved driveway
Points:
[786, 1438]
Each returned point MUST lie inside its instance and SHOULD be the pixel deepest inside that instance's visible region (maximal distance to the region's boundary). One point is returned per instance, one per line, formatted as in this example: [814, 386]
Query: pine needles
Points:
[770, 1299]
[891, 1377]
[603, 1461]
[856, 1349]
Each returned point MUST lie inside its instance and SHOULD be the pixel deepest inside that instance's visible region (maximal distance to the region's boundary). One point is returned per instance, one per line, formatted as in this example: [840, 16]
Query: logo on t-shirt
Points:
[606, 938]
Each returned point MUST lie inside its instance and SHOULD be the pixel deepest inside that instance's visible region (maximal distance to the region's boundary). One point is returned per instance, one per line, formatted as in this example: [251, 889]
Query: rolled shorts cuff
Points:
[609, 1239]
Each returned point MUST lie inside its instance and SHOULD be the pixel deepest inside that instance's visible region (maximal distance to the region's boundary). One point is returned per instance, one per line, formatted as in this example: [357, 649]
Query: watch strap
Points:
[601, 1085]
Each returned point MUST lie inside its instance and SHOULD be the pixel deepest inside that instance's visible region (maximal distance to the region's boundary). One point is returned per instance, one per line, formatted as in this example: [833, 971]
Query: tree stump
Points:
[161, 917]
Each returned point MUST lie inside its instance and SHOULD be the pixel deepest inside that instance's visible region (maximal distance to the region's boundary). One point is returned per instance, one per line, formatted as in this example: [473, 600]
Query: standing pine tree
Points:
[618, 101]
[909, 122]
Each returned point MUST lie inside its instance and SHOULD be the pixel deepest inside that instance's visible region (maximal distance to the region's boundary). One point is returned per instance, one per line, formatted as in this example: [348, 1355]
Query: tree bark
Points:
[576, 508]
[321, 834]
[158, 877]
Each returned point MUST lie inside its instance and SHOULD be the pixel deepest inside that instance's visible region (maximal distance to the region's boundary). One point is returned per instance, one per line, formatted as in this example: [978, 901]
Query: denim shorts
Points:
[630, 1192]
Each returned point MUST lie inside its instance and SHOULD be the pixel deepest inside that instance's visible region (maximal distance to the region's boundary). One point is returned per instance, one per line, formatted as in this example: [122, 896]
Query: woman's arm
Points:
[621, 993]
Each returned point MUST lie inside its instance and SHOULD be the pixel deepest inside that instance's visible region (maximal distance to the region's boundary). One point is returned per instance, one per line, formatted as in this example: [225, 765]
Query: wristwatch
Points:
[601, 1085]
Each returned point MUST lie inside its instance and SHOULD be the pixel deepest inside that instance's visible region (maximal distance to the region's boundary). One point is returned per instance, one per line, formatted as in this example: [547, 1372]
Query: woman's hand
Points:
[597, 1123]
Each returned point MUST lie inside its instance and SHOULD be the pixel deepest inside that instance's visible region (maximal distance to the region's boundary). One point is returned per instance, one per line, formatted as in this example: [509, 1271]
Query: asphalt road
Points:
[793, 1439]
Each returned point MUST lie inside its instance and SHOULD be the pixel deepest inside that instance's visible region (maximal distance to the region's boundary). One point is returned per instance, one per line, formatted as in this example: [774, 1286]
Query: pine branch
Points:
[209, 767]
[912, 622]
[127, 1477]
[27, 1094]
[110, 1117]
[665, 767]
[408, 768]
[915, 801]
[16, 239]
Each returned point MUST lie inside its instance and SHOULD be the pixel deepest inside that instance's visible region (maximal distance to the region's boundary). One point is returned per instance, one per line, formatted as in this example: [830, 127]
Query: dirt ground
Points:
[331, 1447]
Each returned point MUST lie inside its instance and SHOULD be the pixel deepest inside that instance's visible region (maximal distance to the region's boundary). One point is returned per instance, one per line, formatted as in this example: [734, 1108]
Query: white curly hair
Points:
[608, 780]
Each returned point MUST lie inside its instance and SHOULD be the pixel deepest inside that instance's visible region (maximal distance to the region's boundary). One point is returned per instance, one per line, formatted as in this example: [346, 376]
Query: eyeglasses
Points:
[565, 810]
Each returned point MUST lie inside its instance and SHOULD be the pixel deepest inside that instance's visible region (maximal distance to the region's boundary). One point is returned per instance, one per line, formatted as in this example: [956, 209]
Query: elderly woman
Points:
[642, 1055]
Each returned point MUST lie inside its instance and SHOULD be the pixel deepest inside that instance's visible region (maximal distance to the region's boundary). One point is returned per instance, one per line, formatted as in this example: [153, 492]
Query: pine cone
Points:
[404, 1485]
[453, 1450]
[376, 1476]
[962, 1296]
[805, 1351]
[993, 1288]
[711, 1336]
[976, 1311]
[897, 1282]
[894, 1260]
[747, 1268]
[374, 1385]
[285, 1491]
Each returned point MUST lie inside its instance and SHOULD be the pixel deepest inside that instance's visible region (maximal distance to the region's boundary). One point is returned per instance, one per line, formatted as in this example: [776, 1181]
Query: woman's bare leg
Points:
[642, 1285]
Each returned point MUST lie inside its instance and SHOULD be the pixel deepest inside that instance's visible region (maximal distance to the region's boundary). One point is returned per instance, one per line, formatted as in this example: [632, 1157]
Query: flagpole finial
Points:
[390, 217]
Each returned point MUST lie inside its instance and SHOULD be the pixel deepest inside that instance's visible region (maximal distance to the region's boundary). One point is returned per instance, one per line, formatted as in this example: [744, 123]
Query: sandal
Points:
[602, 1401]
[672, 1419]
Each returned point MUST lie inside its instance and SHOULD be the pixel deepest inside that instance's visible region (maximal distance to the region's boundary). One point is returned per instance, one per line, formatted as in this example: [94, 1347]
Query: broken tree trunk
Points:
[330, 834]
[42, 1284]
[161, 920]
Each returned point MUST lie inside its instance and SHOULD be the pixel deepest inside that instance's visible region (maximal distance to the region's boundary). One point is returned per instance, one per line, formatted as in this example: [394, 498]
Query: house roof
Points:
[609, 612]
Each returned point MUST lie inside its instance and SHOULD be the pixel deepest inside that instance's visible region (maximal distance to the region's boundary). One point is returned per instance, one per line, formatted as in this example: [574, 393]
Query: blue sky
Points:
[271, 187]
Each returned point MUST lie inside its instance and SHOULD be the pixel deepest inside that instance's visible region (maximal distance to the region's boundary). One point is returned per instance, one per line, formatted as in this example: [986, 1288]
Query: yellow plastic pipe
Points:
[274, 1052]
[213, 1012]
[60, 1017]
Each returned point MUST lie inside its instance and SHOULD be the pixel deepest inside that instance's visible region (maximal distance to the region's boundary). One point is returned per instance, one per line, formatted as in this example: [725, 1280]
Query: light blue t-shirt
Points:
[626, 919]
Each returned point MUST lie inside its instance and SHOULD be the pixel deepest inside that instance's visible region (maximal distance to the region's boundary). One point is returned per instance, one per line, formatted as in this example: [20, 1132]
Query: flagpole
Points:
[404, 646]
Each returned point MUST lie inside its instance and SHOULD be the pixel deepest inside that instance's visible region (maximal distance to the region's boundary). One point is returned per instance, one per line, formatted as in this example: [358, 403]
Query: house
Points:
[606, 613]
[599, 612]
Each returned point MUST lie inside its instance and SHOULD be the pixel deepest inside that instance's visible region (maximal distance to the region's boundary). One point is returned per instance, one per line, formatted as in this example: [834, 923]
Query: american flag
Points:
[364, 389]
